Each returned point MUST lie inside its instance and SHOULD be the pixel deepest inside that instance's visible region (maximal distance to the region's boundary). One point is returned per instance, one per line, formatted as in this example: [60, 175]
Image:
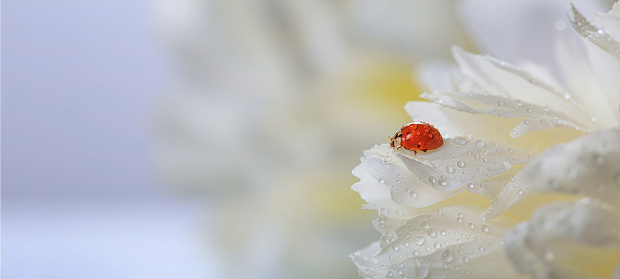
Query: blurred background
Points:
[202, 138]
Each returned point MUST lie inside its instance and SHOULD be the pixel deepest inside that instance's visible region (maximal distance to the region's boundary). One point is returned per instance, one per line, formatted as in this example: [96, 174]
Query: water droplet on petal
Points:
[460, 140]
[480, 143]
[419, 240]
[484, 228]
[431, 232]
[446, 256]
[432, 180]
[460, 164]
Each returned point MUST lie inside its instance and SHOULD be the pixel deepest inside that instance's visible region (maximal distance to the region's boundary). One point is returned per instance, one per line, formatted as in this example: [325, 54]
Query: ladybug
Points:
[417, 136]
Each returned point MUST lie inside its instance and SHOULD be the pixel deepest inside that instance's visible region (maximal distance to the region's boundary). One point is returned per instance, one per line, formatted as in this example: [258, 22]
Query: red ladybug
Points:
[417, 136]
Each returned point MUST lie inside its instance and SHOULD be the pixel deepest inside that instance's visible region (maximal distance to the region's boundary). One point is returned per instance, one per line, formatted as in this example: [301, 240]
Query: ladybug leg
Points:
[415, 152]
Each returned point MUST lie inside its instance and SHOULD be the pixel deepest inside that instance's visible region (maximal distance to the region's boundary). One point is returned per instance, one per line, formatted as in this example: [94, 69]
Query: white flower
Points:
[528, 180]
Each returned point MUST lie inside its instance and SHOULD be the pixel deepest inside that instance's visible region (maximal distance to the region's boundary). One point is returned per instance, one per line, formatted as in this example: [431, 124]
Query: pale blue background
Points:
[80, 81]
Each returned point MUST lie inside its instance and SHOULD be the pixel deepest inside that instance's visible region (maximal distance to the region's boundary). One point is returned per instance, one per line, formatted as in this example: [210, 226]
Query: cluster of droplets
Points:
[463, 162]
[424, 245]
[593, 33]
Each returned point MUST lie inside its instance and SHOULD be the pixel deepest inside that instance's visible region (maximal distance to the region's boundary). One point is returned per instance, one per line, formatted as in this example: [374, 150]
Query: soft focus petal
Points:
[589, 166]
[593, 33]
[365, 262]
[567, 240]
[497, 78]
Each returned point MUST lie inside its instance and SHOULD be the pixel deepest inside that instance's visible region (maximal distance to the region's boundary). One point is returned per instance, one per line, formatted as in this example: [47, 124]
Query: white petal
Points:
[584, 82]
[497, 78]
[390, 188]
[449, 226]
[493, 265]
[439, 242]
[561, 239]
[595, 34]
[513, 192]
[452, 123]
[378, 195]
[588, 166]
[461, 161]
[538, 117]
[610, 23]
[366, 264]
[406, 188]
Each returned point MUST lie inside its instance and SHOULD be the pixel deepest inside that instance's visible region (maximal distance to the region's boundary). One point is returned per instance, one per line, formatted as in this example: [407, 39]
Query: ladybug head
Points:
[395, 141]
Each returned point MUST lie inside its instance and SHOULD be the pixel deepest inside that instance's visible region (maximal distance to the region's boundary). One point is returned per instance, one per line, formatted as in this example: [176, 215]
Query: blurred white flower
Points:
[497, 201]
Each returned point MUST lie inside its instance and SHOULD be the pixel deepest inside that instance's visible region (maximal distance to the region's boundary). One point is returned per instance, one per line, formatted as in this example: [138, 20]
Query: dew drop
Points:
[442, 232]
[520, 192]
[480, 143]
[471, 226]
[432, 180]
[395, 247]
[443, 182]
[460, 140]
[437, 245]
[419, 240]
[423, 224]
[449, 169]
[446, 256]
[381, 180]
[413, 194]
[406, 244]
[431, 232]
[484, 228]
[460, 164]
